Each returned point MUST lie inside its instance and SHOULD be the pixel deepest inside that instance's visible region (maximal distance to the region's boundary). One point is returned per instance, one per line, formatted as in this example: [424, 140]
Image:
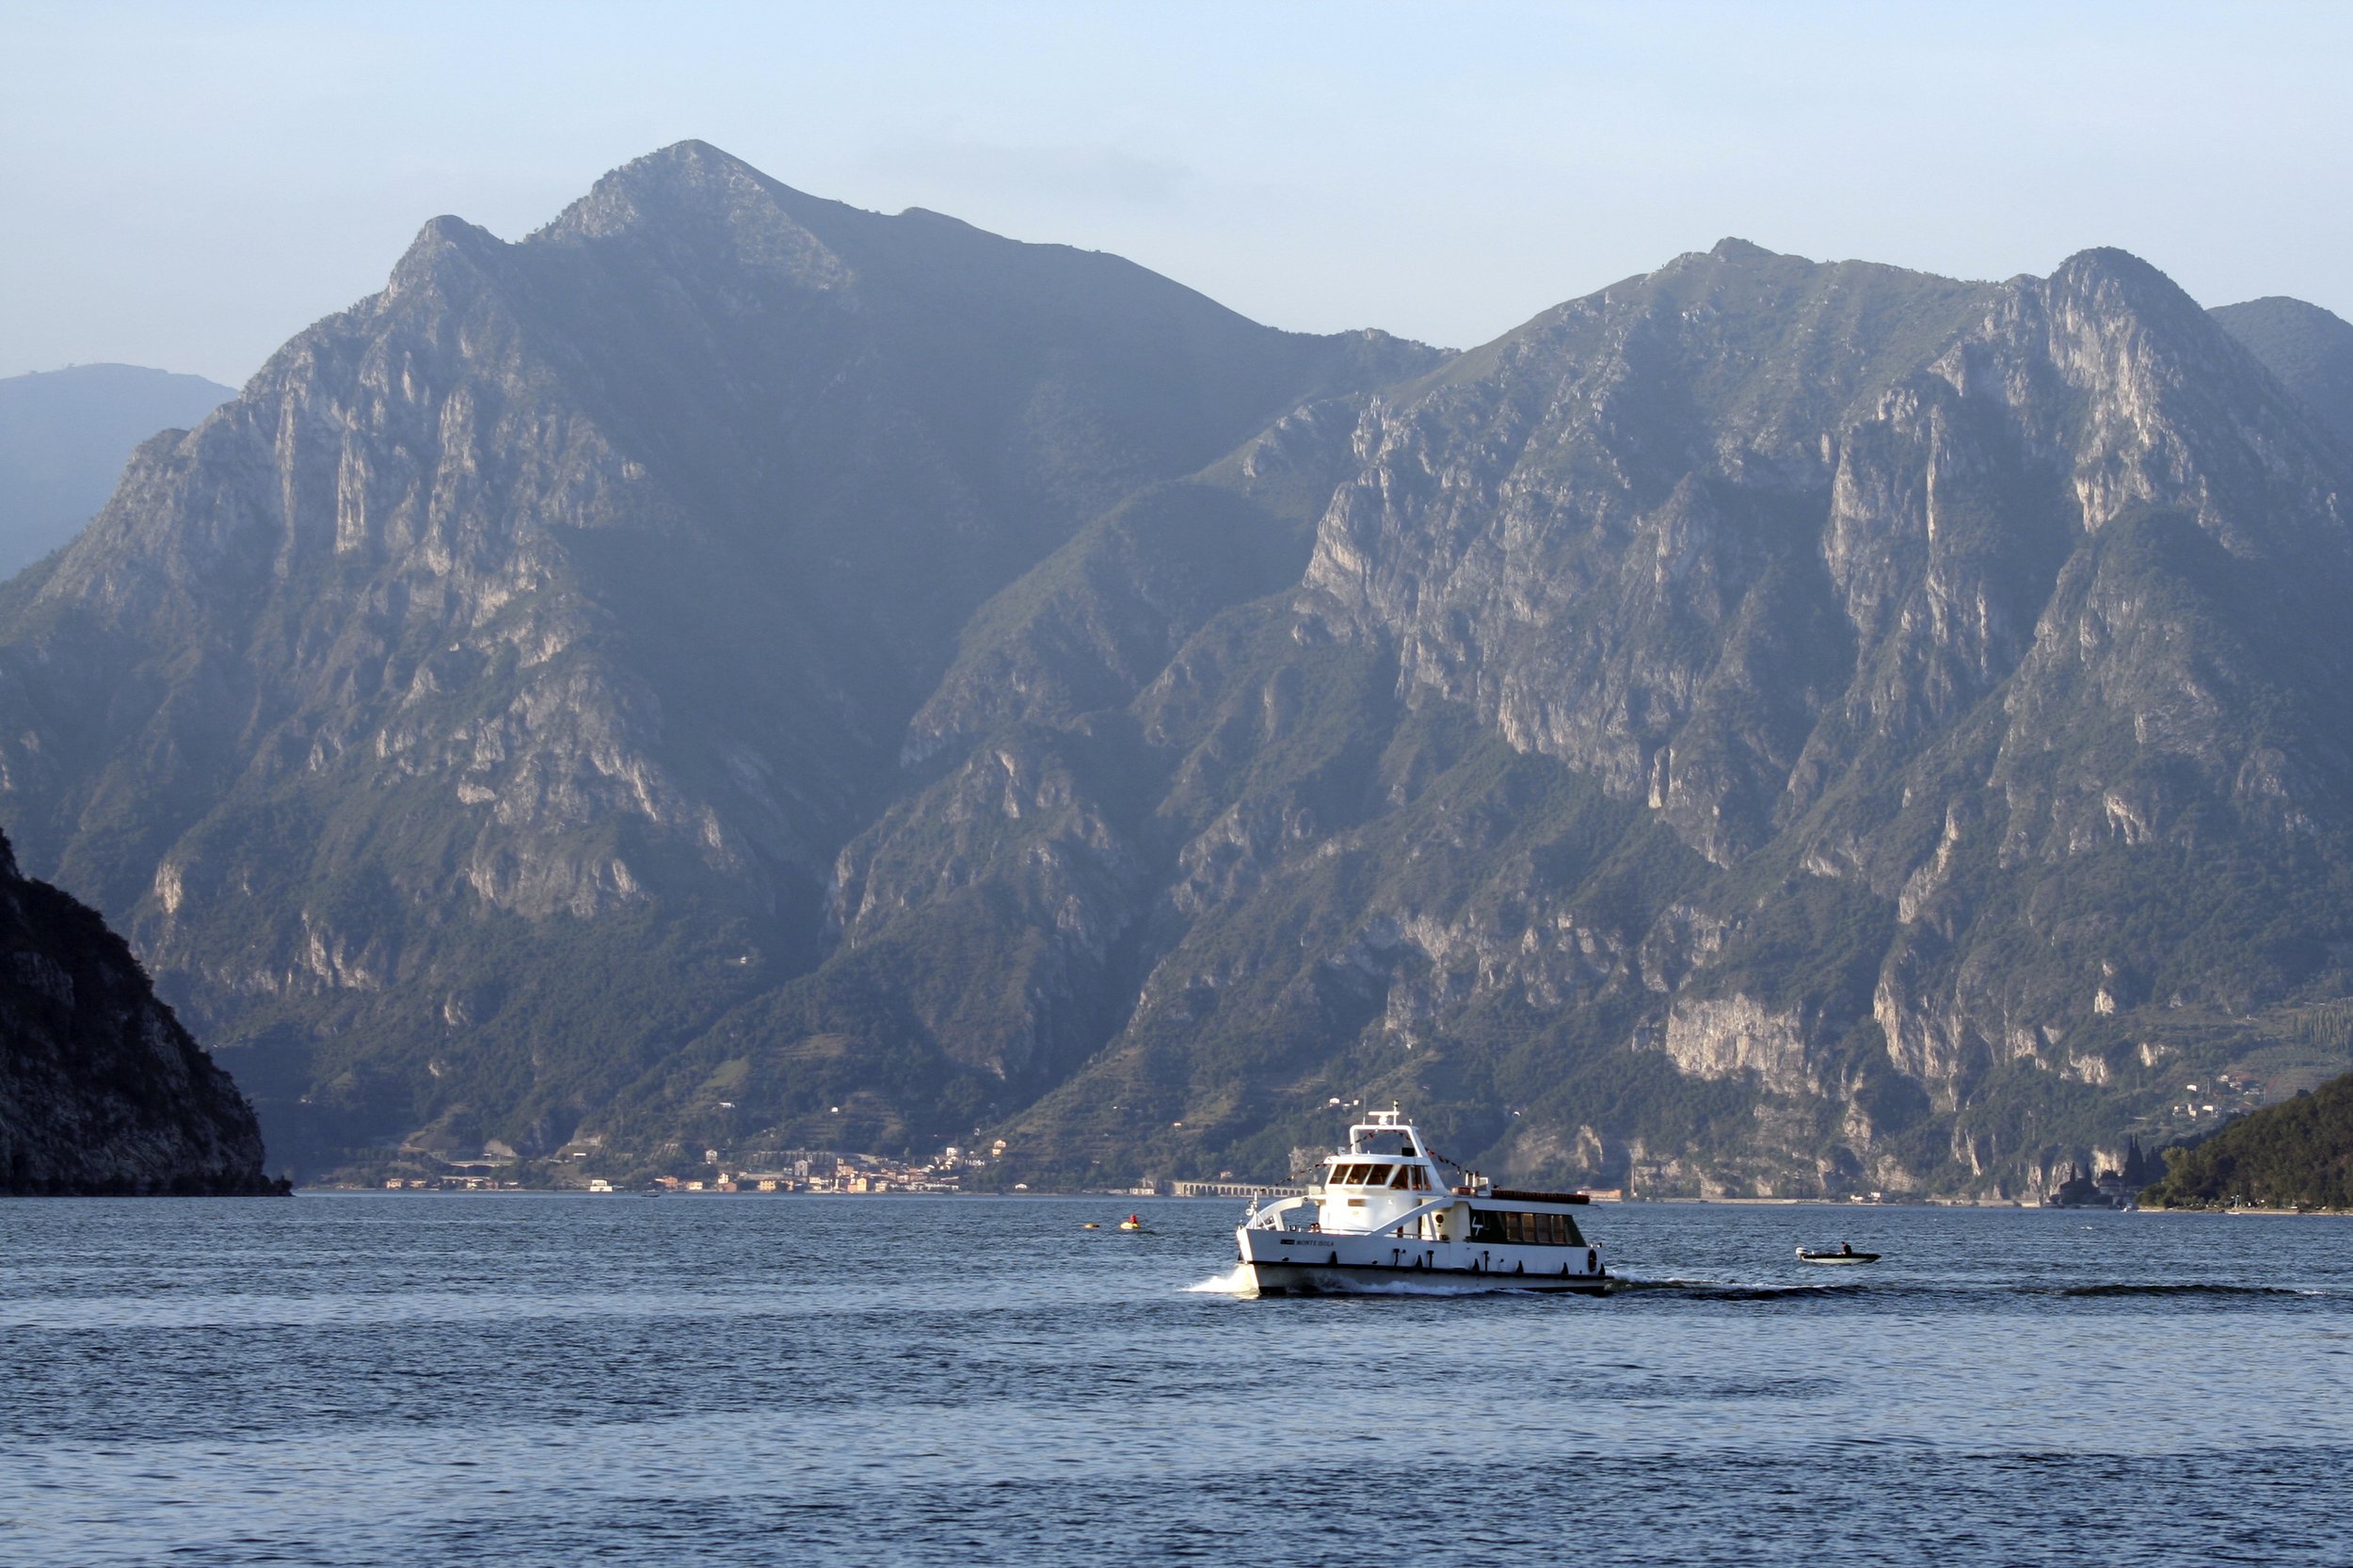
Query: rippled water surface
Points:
[379, 1379]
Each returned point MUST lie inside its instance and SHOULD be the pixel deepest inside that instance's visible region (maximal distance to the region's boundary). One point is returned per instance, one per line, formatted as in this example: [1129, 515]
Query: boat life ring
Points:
[1593, 1261]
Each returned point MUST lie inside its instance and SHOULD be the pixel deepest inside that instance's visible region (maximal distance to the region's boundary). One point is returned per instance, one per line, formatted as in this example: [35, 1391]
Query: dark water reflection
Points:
[457, 1380]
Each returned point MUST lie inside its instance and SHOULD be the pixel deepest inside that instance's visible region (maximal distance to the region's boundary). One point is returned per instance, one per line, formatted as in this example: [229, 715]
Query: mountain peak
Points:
[2286, 309]
[444, 242]
[689, 160]
[691, 180]
[2112, 267]
[2105, 278]
[2309, 349]
[1732, 249]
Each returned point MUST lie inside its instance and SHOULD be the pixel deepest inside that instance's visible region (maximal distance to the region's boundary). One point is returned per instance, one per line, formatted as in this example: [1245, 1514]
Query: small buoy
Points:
[1090, 1225]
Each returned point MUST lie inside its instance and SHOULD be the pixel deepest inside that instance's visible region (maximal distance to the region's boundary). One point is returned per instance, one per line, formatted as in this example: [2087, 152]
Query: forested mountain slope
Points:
[2309, 349]
[2296, 1154]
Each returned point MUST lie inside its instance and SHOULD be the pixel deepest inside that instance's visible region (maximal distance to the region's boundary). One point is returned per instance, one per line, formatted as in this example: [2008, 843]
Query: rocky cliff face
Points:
[102, 1091]
[731, 670]
[1948, 742]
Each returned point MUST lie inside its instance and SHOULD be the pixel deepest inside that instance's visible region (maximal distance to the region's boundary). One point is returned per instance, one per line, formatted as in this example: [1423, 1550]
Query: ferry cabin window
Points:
[1514, 1228]
[1402, 1176]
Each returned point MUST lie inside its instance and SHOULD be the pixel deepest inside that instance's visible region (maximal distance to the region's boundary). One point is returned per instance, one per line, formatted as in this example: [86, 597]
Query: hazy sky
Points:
[186, 185]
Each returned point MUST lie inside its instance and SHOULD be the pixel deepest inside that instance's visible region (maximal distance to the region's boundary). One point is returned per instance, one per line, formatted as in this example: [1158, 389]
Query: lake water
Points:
[393, 1379]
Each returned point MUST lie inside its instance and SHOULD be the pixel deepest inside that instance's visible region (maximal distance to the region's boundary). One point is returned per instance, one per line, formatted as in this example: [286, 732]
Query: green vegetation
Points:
[2298, 1154]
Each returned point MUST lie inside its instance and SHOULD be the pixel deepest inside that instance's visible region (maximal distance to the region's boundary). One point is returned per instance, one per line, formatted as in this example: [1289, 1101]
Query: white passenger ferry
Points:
[1389, 1213]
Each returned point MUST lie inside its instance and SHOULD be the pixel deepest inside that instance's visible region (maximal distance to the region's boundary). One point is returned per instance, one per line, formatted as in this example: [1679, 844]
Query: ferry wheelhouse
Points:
[1388, 1213]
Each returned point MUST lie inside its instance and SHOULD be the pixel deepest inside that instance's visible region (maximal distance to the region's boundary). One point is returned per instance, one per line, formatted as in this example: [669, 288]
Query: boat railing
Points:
[1270, 1217]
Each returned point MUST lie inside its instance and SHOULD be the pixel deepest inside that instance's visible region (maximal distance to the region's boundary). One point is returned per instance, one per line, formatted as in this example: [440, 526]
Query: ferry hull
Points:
[1343, 1279]
[1329, 1263]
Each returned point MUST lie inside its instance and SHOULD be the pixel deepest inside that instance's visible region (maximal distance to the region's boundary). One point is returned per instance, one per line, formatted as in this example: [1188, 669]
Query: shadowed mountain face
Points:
[64, 436]
[102, 1091]
[734, 671]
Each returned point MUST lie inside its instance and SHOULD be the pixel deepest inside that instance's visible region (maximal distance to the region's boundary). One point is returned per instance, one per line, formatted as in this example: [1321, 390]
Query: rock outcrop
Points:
[102, 1091]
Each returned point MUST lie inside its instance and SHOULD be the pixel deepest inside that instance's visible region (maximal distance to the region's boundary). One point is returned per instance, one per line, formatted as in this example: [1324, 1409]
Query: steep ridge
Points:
[102, 1091]
[473, 709]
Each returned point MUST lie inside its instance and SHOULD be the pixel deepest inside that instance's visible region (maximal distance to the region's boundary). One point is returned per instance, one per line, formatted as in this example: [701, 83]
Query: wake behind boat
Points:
[1390, 1213]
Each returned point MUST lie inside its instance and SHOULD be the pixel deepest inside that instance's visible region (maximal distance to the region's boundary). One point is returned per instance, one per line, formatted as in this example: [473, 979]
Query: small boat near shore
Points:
[1390, 1215]
[1841, 1254]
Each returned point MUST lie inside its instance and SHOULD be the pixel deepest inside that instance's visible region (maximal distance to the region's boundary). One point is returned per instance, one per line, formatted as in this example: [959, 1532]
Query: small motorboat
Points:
[1843, 1252]
[1131, 1222]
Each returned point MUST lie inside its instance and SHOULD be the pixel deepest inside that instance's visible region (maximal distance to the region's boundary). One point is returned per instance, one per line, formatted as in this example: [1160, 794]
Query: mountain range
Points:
[64, 437]
[733, 672]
